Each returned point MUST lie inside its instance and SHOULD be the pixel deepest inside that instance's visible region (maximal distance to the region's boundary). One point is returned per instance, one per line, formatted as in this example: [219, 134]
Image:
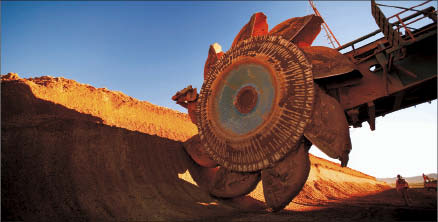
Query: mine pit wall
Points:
[71, 152]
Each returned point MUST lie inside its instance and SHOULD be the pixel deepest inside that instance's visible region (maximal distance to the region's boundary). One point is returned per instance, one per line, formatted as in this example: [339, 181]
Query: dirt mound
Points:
[114, 108]
[74, 152]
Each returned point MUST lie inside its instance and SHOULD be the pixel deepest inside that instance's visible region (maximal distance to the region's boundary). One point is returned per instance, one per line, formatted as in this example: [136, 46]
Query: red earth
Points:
[72, 152]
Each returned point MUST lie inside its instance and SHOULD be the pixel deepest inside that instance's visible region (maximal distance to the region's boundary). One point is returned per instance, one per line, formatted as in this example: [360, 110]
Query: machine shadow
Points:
[61, 165]
[387, 205]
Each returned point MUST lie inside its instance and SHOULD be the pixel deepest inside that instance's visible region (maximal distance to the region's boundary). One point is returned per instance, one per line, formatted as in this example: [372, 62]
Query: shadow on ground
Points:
[61, 165]
[384, 206]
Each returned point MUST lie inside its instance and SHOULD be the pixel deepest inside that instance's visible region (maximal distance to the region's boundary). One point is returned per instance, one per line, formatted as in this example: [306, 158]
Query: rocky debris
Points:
[10, 76]
[71, 152]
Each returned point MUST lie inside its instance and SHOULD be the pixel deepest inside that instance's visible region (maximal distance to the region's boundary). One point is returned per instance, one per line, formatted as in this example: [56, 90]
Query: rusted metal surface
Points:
[328, 129]
[256, 26]
[214, 54]
[259, 101]
[282, 182]
[185, 96]
[327, 62]
[197, 152]
[394, 76]
[392, 35]
[299, 30]
[372, 115]
[280, 79]
[203, 176]
[428, 12]
[188, 98]
[228, 184]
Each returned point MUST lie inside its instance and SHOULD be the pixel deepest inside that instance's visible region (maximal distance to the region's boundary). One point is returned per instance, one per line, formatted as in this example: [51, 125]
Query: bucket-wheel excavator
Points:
[265, 101]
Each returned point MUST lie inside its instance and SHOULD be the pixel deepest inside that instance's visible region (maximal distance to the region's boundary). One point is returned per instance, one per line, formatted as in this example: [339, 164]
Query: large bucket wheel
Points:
[252, 111]
[259, 107]
[255, 104]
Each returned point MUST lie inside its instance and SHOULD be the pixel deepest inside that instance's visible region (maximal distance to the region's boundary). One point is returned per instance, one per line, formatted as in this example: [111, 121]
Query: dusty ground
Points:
[382, 206]
[71, 152]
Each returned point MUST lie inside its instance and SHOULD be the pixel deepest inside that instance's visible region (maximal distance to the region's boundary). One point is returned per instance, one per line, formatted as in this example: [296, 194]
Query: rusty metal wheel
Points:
[282, 182]
[255, 104]
[258, 108]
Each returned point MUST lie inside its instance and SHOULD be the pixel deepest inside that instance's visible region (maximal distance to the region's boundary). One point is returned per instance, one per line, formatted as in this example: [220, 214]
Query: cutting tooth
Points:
[328, 129]
[214, 54]
[299, 30]
[216, 47]
[197, 152]
[229, 184]
[256, 26]
[327, 62]
[193, 113]
[203, 176]
[283, 181]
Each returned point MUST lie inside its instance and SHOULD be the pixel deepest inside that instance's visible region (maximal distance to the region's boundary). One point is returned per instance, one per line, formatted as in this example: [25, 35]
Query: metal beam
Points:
[425, 11]
[372, 115]
[398, 100]
[404, 71]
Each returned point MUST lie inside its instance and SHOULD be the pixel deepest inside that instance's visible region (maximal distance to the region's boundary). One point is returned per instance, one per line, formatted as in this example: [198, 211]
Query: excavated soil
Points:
[72, 152]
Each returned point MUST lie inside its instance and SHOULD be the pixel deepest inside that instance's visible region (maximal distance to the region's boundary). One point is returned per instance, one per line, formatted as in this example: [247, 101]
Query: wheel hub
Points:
[246, 99]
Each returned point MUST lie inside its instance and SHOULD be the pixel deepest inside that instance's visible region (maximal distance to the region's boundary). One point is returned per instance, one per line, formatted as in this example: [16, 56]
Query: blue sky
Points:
[149, 50]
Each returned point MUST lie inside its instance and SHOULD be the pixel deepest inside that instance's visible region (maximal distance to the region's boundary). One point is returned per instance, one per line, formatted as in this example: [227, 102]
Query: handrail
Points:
[392, 35]
[358, 40]
[424, 11]
[407, 9]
